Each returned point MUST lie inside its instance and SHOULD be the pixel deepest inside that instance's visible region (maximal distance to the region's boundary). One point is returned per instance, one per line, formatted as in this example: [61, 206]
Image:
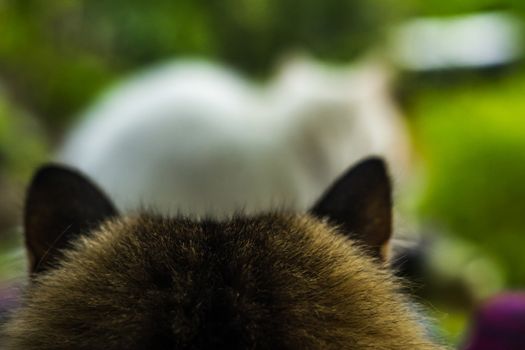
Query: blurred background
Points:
[457, 78]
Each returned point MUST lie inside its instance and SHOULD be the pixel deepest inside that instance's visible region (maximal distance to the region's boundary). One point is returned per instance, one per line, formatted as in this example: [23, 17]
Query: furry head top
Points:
[272, 281]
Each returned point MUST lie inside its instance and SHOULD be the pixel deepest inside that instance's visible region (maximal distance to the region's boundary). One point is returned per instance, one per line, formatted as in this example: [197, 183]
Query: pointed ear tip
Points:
[374, 164]
[376, 161]
[50, 170]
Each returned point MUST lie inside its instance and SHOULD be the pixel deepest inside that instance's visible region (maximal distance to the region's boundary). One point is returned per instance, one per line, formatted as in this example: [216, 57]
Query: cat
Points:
[197, 138]
[275, 280]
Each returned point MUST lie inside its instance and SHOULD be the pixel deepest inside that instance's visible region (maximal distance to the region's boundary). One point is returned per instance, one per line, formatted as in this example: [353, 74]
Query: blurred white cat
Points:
[196, 138]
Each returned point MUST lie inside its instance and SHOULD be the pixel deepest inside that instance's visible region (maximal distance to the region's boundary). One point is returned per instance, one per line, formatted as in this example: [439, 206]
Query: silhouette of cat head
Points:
[278, 280]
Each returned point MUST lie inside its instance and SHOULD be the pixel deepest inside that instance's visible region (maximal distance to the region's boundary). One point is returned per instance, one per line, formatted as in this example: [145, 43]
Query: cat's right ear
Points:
[360, 204]
[60, 205]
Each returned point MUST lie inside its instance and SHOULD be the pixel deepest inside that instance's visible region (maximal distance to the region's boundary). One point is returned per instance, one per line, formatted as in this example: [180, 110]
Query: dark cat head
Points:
[273, 281]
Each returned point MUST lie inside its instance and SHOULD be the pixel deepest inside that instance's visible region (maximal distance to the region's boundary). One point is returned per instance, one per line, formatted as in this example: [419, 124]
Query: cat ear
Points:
[60, 205]
[360, 204]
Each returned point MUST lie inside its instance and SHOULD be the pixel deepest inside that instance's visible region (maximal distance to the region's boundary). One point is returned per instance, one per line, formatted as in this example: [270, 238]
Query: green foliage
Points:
[47, 75]
[473, 140]
[56, 55]
[451, 7]
[249, 34]
[22, 144]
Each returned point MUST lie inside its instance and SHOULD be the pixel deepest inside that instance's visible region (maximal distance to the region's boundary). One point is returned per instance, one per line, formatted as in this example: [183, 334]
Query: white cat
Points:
[197, 138]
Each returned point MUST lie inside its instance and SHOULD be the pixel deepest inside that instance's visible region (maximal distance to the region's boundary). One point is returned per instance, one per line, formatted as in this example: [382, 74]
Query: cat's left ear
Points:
[60, 205]
[360, 204]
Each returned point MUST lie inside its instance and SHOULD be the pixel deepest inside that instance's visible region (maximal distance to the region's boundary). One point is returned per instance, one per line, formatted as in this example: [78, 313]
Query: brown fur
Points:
[273, 281]
[270, 282]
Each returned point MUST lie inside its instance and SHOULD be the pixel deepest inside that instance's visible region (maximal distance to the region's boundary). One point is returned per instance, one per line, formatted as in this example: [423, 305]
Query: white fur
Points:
[196, 138]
